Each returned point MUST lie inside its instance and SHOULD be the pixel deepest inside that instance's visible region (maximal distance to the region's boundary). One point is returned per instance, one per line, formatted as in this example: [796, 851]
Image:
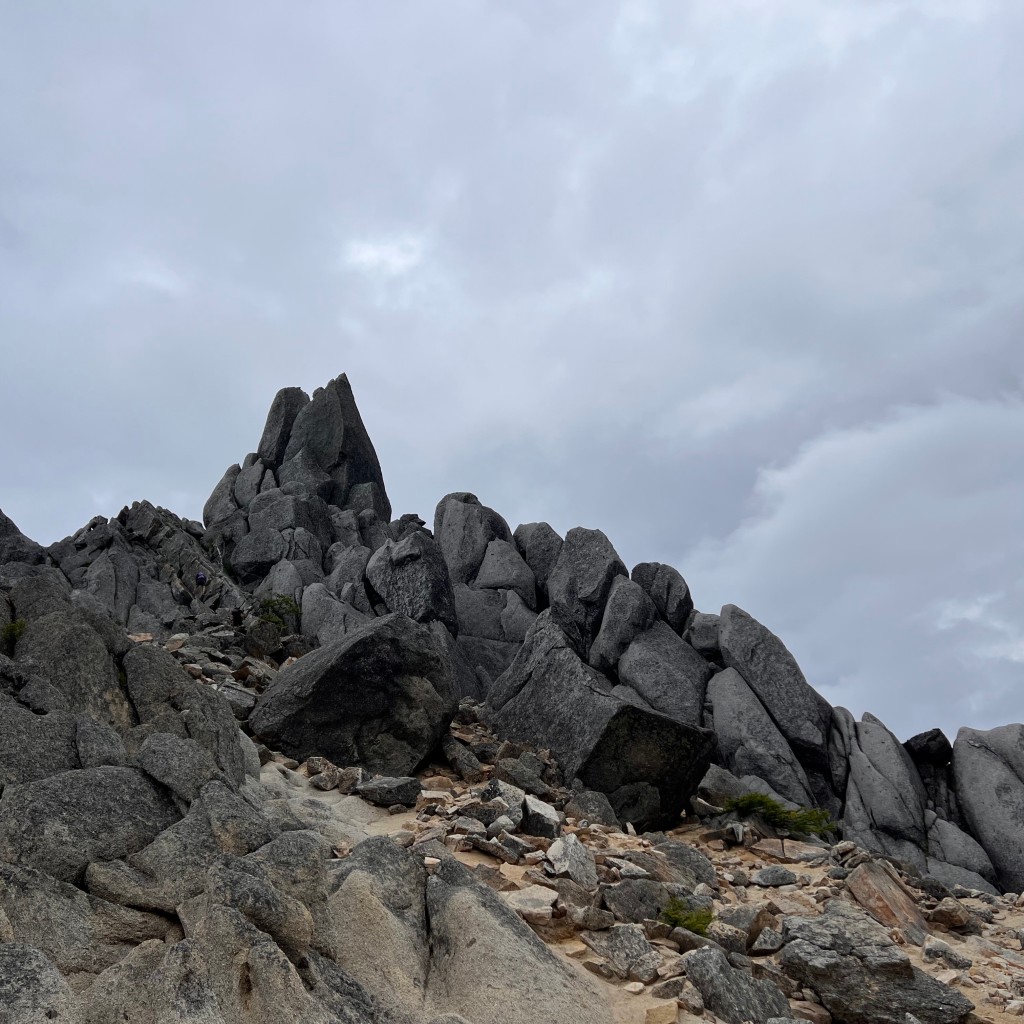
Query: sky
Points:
[738, 282]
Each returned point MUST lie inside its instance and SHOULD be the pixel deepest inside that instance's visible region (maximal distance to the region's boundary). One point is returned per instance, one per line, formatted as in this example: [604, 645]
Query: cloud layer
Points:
[740, 284]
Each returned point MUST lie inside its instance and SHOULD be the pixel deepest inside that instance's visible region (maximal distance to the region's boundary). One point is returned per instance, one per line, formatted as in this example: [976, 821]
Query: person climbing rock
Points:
[201, 582]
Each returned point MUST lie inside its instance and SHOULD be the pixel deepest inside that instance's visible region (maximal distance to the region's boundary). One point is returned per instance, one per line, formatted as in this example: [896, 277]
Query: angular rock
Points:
[668, 673]
[989, 771]
[386, 792]
[75, 661]
[773, 876]
[885, 800]
[588, 805]
[463, 528]
[181, 765]
[878, 889]
[569, 858]
[627, 950]
[730, 993]
[61, 823]
[503, 568]
[668, 591]
[411, 577]
[476, 978]
[550, 698]
[860, 974]
[801, 715]
[380, 698]
[287, 404]
[540, 819]
[540, 547]
[628, 613]
[580, 583]
[749, 741]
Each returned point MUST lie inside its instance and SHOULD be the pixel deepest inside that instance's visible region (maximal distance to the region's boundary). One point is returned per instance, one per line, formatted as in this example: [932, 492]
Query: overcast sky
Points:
[739, 283]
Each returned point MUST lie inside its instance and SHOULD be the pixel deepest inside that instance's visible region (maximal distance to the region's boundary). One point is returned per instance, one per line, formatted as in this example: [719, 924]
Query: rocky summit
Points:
[308, 762]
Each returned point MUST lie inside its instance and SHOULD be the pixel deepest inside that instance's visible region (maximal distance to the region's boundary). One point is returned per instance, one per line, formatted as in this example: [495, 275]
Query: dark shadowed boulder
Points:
[580, 583]
[668, 673]
[749, 741]
[989, 771]
[550, 698]
[411, 577]
[801, 714]
[463, 528]
[60, 824]
[380, 698]
[668, 590]
[628, 613]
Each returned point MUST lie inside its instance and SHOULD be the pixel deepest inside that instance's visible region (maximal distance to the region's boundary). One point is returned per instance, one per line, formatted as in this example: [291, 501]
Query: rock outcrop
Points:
[201, 724]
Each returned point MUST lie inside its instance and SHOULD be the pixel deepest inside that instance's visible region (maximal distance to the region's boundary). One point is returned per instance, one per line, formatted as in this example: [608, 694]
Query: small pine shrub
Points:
[803, 822]
[280, 611]
[10, 635]
[679, 915]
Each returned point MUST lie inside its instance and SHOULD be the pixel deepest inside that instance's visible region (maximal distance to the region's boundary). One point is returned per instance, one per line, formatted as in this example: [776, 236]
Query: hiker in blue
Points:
[201, 582]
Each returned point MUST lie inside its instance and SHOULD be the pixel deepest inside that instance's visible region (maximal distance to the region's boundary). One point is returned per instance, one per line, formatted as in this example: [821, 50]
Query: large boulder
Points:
[73, 658]
[287, 404]
[668, 590]
[860, 973]
[730, 993]
[989, 771]
[381, 697]
[62, 823]
[580, 583]
[411, 577]
[540, 547]
[463, 528]
[749, 741]
[628, 613]
[885, 801]
[667, 672]
[801, 714]
[503, 568]
[550, 698]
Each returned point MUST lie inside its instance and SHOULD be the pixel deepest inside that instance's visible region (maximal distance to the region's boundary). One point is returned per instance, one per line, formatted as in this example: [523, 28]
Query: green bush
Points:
[803, 822]
[679, 915]
[10, 635]
[280, 611]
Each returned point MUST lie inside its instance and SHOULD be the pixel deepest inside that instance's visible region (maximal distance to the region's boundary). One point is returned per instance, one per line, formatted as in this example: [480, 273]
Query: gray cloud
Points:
[739, 284]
